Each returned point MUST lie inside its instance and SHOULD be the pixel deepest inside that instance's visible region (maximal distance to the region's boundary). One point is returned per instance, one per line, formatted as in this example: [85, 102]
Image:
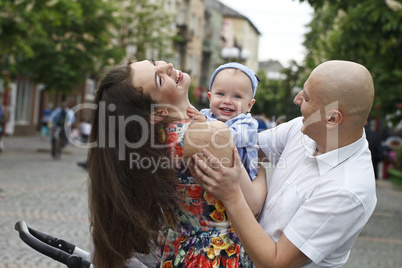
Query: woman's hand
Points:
[196, 115]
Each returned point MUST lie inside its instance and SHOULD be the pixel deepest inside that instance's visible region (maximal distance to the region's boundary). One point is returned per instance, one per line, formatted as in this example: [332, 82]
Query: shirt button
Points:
[269, 206]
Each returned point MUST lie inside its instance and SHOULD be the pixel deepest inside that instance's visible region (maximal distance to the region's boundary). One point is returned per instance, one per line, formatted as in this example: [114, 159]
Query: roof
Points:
[212, 4]
[272, 69]
[270, 66]
[228, 12]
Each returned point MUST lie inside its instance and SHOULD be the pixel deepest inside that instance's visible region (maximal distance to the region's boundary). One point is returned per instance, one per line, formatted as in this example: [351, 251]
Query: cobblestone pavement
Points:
[50, 196]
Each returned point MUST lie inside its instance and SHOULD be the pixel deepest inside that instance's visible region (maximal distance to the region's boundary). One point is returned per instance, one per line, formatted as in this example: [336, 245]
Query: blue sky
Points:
[282, 26]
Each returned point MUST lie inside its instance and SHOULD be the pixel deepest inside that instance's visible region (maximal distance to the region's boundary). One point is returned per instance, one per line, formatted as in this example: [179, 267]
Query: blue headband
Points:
[250, 73]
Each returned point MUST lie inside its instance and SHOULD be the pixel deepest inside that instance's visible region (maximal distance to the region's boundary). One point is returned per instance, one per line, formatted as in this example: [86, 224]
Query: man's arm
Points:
[224, 183]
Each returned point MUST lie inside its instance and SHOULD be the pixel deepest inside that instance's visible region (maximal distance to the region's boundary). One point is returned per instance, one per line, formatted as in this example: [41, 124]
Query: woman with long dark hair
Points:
[141, 193]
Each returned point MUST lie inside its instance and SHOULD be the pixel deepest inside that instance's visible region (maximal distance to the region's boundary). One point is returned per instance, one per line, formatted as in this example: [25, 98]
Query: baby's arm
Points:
[244, 132]
[255, 191]
[196, 115]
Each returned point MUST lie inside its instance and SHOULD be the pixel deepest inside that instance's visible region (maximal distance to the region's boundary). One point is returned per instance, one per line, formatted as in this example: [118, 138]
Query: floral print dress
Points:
[203, 236]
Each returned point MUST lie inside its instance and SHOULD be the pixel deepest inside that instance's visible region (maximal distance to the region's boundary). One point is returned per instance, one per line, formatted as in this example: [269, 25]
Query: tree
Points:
[368, 32]
[15, 27]
[265, 97]
[291, 84]
[145, 28]
[275, 97]
[63, 40]
[59, 42]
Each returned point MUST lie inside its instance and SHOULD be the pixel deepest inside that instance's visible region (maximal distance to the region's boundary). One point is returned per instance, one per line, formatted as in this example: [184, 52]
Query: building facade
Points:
[240, 38]
[209, 34]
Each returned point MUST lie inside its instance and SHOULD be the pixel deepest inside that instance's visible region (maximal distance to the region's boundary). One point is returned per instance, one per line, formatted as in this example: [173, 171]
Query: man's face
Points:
[314, 121]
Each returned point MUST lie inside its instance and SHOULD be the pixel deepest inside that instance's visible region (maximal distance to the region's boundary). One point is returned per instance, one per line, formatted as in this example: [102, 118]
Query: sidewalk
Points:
[380, 243]
[50, 195]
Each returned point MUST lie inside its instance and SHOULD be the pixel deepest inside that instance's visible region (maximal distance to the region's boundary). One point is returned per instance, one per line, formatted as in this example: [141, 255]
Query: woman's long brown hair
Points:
[125, 199]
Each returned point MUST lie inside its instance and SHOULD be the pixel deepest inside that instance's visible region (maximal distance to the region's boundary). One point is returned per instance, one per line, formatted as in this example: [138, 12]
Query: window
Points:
[25, 96]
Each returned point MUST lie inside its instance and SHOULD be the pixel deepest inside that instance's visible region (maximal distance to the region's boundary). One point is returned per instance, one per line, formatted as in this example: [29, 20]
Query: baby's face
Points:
[231, 94]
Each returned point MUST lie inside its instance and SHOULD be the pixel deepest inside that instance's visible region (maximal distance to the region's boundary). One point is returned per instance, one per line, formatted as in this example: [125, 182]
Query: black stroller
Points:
[57, 249]
[60, 250]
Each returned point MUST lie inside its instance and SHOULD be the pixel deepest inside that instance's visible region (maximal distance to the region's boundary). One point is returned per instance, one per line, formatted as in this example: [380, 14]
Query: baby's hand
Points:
[196, 115]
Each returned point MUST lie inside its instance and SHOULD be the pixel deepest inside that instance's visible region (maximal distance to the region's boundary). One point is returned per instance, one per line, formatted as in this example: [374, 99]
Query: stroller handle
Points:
[54, 248]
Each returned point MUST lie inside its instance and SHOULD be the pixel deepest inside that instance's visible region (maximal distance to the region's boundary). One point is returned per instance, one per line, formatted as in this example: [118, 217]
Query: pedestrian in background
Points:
[45, 131]
[375, 146]
[85, 130]
[263, 123]
[4, 117]
[59, 120]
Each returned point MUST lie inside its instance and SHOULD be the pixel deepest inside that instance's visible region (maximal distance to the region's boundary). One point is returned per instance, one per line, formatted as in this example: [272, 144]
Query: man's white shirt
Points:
[320, 203]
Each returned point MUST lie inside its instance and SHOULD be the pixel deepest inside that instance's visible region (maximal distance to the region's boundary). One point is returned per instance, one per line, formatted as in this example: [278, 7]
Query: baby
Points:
[232, 90]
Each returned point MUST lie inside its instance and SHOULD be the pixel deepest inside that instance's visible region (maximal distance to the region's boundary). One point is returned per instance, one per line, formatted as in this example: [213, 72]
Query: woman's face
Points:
[161, 81]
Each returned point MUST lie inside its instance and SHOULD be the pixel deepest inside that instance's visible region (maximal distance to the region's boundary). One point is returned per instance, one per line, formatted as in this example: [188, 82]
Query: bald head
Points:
[347, 83]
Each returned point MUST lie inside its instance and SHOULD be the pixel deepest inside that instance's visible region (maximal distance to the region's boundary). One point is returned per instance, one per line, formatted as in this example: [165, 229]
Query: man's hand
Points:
[220, 181]
[196, 115]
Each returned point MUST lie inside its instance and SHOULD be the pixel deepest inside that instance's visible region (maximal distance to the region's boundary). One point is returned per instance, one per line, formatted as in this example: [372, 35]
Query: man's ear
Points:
[334, 118]
[158, 115]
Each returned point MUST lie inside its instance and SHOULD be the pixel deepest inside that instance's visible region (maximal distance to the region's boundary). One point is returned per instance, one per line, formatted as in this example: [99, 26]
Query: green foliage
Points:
[368, 32]
[63, 40]
[395, 176]
[14, 29]
[275, 97]
[265, 98]
[399, 158]
[144, 27]
[292, 84]
[60, 42]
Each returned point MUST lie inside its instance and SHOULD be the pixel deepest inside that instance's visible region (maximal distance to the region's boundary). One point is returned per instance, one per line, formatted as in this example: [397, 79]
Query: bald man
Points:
[322, 191]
